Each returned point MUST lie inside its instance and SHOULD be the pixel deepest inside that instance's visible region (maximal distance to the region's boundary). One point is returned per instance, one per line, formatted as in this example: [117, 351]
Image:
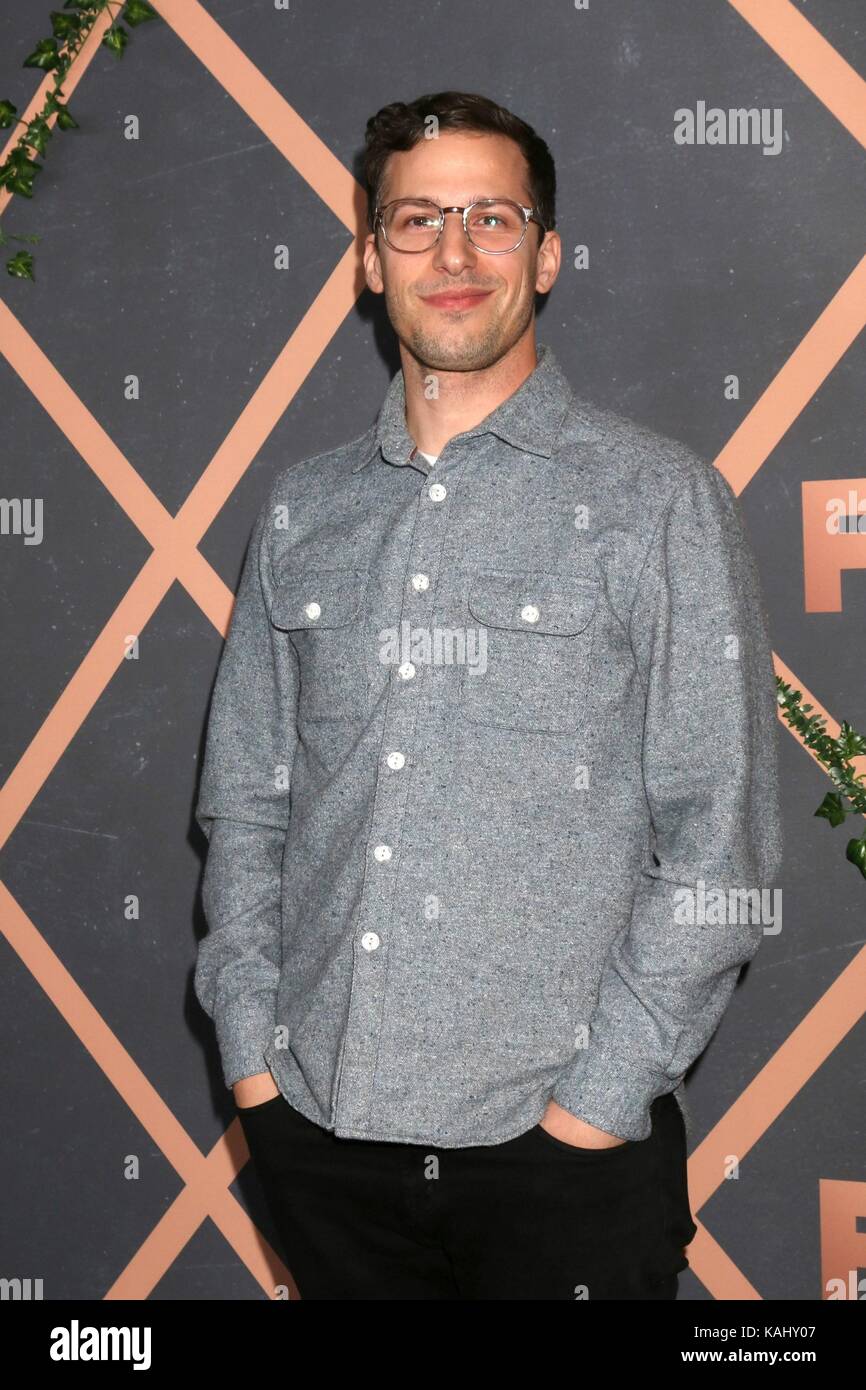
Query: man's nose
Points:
[454, 248]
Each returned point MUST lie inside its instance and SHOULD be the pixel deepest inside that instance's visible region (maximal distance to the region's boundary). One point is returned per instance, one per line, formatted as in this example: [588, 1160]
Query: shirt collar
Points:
[529, 419]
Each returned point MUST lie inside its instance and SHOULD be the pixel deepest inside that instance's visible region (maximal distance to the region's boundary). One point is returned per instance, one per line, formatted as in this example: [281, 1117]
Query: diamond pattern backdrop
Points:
[124, 1170]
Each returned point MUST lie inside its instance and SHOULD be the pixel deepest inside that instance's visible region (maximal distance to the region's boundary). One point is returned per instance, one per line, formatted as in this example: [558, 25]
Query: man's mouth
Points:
[456, 299]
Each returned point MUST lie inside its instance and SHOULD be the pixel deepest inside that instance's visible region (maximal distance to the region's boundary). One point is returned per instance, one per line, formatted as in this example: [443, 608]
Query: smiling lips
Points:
[466, 299]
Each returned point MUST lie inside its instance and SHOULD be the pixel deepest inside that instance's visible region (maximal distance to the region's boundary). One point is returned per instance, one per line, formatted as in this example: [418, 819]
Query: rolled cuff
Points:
[611, 1092]
[243, 1033]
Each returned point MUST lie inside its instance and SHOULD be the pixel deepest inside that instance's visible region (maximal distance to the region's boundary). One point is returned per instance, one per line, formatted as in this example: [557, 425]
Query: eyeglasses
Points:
[494, 225]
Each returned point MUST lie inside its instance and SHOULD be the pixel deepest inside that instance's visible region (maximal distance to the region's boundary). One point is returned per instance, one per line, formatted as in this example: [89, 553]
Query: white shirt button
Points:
[420, 581]
[313, 610]
[382, 852]
[436, 492]
[406, 670]
[529, 613]
[370, 941]
[396, 760]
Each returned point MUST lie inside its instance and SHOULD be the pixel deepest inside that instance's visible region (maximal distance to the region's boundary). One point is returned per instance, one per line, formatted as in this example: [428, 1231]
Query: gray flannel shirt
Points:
[478, 730]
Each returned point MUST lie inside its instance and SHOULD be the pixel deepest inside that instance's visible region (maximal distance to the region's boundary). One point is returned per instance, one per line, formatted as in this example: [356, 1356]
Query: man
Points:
[496, 708]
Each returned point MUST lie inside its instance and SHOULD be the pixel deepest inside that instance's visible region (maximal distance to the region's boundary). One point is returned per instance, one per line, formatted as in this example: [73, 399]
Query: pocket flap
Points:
[533, 600]
[317, 598]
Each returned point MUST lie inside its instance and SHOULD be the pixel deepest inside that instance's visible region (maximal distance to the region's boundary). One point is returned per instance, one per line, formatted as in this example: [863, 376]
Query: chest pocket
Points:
[538, 632]
[320, 612]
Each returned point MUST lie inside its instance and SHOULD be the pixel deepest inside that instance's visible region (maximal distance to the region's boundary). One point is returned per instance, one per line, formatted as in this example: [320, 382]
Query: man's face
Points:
[454, 169]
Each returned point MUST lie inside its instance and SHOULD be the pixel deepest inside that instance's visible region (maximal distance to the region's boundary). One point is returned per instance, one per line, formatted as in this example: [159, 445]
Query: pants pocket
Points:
[540, 1133]
[258, 1108]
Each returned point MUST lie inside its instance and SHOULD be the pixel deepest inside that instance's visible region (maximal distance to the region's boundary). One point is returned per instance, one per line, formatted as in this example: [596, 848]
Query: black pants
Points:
[533, 1217]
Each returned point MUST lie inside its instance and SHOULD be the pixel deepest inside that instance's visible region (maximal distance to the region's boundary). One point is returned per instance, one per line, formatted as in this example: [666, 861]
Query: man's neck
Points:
[463, 399]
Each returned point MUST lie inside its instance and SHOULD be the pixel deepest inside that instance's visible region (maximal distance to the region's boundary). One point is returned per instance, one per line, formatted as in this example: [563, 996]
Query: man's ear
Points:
[549, 261]
[373, 265]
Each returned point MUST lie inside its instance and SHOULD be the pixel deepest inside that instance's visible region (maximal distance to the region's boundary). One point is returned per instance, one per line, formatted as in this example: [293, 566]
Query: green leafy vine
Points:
[71, 27]
[835, 754]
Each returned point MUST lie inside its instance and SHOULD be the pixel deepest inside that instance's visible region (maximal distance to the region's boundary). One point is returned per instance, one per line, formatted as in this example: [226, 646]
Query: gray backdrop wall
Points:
[167, 362]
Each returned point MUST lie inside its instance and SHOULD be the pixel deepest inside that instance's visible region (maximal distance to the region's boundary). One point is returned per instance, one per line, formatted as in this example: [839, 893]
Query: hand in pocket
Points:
[255, 1090]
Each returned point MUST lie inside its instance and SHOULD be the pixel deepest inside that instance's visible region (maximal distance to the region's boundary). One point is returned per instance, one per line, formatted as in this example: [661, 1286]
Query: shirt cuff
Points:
[610, 1092]
[243, 1033]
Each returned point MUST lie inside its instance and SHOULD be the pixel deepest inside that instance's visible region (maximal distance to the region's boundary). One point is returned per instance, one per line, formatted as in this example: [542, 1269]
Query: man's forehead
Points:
[506, 180]
[480, 153]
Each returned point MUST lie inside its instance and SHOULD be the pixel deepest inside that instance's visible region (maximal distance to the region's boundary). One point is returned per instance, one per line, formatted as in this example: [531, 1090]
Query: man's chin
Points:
[465, 353]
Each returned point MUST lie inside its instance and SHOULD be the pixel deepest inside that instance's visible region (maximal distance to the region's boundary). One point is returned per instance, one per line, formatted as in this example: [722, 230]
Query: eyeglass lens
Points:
[493, 226]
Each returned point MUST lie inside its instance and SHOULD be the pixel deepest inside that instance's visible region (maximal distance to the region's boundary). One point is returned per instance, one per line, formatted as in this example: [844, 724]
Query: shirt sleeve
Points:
[243, 809]
[700, 640]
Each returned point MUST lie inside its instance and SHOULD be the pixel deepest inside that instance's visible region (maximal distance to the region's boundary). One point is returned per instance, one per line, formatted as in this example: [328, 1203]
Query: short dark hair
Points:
[401, 125]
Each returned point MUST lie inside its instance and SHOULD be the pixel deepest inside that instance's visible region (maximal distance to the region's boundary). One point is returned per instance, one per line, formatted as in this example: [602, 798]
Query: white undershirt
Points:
[431, 458]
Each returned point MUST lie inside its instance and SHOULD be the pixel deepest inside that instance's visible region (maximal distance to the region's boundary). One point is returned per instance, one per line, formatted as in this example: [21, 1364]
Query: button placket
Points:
[400, 744]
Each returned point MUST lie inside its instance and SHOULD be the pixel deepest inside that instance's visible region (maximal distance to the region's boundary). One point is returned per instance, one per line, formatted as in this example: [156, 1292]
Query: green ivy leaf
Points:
[831, 809]
[8, 113]
[137, 12]
[66, 27]
[19, 156]
[856, 853]
[21, 266]
[38, 134]
[21, 173]
[116, 39]
[65, 118]
[44, 56]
